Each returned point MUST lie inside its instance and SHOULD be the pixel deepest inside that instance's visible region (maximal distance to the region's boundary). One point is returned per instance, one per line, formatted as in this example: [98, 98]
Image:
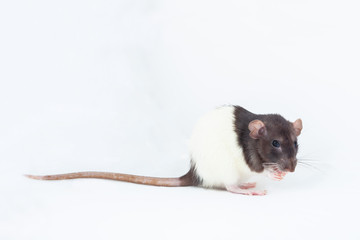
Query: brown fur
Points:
[256, 132]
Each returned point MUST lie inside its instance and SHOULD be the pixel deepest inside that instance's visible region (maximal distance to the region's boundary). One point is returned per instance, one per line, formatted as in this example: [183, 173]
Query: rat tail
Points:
[186, 180]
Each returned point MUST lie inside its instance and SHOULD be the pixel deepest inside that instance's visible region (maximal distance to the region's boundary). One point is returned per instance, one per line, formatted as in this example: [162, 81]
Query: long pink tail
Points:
[186, 180]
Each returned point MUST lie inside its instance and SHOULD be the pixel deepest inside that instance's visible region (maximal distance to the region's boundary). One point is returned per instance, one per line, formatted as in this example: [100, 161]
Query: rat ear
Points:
[297, 126]
[257, 129]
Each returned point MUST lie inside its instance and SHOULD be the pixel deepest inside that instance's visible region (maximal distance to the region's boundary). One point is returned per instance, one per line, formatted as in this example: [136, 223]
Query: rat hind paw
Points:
[239, 190]
[247, 185]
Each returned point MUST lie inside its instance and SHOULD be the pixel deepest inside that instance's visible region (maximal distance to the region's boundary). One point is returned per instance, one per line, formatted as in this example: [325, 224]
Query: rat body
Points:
[227, 147]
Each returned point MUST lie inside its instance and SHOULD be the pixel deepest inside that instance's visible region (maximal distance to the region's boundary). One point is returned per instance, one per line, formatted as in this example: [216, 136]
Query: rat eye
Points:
[275, 143]
[296, 144]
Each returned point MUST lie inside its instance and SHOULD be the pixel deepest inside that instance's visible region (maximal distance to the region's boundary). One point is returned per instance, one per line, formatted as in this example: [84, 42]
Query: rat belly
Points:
[215, 153]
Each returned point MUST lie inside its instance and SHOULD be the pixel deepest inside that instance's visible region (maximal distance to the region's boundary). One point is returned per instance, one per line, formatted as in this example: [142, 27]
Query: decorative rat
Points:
[227, 147]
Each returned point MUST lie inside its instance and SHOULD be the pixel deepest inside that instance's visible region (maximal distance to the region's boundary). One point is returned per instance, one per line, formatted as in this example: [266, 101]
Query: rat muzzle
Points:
[288, 165]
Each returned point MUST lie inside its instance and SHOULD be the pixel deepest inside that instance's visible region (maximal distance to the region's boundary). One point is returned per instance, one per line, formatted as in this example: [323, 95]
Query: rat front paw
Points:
[276, 174]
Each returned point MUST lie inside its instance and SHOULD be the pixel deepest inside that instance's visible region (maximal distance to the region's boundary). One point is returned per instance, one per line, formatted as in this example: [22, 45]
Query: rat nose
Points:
[289, 165]
[291, 170]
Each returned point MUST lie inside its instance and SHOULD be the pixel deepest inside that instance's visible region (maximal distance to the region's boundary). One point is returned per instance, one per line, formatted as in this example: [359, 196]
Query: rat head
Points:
[276, 141]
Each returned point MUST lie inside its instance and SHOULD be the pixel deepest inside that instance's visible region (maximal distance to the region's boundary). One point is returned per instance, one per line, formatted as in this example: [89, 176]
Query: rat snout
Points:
[288, 165]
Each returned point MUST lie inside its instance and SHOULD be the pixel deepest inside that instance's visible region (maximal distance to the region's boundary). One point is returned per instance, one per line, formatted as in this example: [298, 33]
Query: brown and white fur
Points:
[227, 147]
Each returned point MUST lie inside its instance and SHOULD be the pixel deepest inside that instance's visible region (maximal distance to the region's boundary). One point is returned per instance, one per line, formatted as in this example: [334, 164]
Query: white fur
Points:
[215, 152]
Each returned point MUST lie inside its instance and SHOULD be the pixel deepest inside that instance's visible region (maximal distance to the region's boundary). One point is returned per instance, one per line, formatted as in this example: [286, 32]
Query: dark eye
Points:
[296, 144]
[276, 143]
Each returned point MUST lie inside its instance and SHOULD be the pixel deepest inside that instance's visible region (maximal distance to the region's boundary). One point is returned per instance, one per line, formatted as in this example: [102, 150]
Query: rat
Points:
[227, 147]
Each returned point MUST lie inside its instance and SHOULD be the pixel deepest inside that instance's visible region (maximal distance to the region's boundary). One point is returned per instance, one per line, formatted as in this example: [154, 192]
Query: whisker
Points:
[270, 164]
[307, 155]
[272, 167]
[308, 165]
[312, 161]
[308, 160]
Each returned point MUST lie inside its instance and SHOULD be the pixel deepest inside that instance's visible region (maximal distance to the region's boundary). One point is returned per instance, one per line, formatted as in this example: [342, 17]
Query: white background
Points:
[118, 85]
